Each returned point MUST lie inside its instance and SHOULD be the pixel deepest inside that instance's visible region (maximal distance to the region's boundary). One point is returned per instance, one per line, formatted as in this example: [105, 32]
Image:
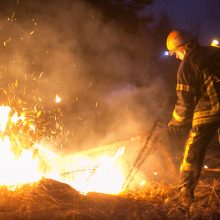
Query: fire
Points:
[103, 174]
[28, 130]
[18, 165]
[143, 183]
[4, 112]
[17, 171]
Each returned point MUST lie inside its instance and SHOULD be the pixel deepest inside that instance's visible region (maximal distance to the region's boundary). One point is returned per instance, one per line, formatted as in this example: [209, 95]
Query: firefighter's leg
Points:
[195, 148]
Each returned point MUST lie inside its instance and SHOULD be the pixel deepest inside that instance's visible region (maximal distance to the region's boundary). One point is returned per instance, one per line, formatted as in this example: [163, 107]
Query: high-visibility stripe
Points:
[183, 87]
[201, 114]
[178, 117]
[186, 166]
[213, 96]
[202, 117]
[206, 120]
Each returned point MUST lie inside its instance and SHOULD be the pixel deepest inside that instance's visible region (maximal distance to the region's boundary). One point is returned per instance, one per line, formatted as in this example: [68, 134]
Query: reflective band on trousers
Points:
[185, 166]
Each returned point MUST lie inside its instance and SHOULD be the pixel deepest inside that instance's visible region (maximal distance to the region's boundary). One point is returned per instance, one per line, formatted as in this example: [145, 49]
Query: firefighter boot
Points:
[186, 195]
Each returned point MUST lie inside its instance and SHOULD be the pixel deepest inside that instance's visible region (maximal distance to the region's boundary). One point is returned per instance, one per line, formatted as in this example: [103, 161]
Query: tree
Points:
[124, 12]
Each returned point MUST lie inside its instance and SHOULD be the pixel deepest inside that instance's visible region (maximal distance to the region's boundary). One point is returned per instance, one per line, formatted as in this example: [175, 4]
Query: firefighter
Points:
[198, 103]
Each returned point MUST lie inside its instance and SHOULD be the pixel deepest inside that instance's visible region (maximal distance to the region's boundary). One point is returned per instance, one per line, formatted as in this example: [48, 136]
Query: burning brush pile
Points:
[50, 199]
[35, 182]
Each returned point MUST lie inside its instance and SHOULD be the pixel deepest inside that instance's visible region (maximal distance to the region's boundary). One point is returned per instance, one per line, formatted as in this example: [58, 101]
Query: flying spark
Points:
[57, 99]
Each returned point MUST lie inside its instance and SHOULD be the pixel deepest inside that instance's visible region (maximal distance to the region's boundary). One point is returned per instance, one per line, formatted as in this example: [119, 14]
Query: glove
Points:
[173, 128]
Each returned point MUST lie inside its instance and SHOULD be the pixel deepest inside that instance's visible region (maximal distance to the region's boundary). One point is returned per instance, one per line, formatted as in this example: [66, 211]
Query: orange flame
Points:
[103, 174]
[25, 167]
[16, 169]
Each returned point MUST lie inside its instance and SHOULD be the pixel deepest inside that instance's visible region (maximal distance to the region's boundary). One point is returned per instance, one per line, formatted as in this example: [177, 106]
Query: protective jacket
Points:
[198, 87]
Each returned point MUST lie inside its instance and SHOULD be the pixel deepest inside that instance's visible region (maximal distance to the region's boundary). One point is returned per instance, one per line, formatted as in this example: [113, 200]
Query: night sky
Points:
[201, 17]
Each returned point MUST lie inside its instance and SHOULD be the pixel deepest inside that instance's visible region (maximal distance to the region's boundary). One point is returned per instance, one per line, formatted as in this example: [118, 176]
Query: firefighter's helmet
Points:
[177, 38]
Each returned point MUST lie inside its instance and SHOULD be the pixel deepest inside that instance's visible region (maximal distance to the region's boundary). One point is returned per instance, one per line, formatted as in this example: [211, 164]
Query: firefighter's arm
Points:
[186, 93]
[182, 113]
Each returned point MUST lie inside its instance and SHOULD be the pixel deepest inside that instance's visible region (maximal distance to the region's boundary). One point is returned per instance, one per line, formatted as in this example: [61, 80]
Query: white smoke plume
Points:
[103, 72]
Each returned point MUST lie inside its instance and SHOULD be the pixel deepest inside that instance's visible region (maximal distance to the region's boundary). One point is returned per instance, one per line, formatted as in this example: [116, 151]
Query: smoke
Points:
[109, 86]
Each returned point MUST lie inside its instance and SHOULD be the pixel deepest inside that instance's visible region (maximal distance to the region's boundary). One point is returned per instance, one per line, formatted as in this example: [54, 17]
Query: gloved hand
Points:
[174, 128]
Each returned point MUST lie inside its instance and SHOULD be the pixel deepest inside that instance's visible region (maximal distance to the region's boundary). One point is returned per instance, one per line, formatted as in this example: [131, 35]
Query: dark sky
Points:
[202, 17]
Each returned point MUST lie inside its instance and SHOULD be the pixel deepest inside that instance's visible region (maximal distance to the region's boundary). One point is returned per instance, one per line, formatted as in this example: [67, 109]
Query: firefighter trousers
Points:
[195, 148]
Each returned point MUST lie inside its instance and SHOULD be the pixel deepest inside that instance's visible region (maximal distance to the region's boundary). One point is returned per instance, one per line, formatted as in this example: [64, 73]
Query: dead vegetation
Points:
[49, 199]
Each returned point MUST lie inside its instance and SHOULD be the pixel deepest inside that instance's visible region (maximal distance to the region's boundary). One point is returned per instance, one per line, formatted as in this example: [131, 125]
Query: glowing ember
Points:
[57, 99]
[206, 167]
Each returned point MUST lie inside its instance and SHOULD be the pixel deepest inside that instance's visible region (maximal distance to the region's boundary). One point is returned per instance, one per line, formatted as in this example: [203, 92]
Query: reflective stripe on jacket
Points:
[198, 87]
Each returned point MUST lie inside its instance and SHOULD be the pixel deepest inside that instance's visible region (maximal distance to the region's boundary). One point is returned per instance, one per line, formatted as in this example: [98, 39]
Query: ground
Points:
[49, 199]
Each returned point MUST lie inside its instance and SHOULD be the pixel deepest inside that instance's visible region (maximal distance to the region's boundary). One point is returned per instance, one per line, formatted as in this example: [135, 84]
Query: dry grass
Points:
[49, 199]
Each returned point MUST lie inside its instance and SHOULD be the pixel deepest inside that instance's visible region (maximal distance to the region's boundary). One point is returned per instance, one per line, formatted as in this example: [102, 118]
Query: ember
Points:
[58, 99]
